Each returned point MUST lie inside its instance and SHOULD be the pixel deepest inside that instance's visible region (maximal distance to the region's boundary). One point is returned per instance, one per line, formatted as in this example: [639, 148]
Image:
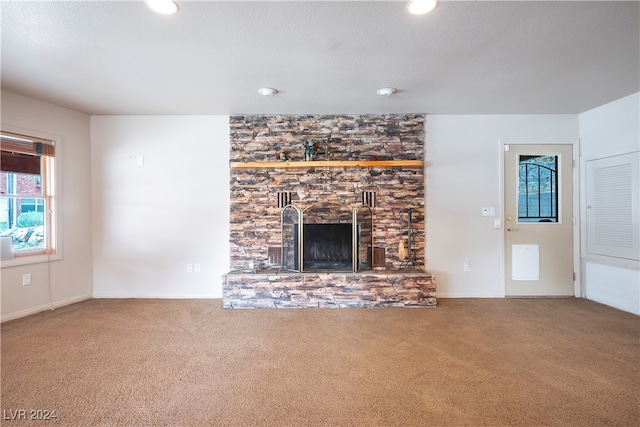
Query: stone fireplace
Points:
[328, 232]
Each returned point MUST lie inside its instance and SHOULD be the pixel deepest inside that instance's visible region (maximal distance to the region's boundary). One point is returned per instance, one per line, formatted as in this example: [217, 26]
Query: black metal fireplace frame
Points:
[297, 246]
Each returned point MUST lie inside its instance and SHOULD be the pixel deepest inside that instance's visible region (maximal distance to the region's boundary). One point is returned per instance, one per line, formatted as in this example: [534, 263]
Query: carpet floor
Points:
[475, 362]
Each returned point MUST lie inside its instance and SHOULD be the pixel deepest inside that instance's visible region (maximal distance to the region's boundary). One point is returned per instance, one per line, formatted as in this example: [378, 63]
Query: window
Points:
[32, 205]
[538, 189]
[27, 199]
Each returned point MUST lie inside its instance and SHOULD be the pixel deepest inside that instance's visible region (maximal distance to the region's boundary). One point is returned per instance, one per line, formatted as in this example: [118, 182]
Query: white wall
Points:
[67, 280]
[462, 176]
[611, 129]
[150, 221]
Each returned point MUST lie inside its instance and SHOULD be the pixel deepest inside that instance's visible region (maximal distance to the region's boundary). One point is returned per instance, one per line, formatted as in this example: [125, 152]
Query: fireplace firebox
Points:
[327, 247]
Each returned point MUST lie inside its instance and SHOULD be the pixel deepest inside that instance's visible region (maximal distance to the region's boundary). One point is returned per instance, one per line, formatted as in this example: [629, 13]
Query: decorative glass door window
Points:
[538, 188]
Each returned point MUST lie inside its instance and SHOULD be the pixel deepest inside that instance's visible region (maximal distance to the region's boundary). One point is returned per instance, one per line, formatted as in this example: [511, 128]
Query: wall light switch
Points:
[26, 279]
[489, 211]
[140, 160]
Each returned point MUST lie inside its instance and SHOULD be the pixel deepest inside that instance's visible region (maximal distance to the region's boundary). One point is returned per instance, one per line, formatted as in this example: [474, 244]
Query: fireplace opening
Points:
[327, 247]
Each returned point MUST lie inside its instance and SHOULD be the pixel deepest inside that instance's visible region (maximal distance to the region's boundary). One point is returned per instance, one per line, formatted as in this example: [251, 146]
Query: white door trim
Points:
[578, 288]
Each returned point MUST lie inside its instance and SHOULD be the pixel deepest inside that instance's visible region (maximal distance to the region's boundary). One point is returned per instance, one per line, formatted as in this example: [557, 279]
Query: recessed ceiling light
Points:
[386, 91]
[420, 7]
[267, 91]
[164, 7]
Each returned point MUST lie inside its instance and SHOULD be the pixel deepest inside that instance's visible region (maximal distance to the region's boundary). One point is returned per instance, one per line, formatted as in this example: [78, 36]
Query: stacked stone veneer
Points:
[277, 289]
[255, 217]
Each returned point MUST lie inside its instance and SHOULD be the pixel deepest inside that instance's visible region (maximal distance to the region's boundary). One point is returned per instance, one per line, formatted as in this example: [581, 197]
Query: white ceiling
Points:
[472, 57]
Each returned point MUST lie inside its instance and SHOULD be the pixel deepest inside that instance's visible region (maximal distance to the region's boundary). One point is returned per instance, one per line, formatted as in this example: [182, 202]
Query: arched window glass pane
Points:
[538, 188]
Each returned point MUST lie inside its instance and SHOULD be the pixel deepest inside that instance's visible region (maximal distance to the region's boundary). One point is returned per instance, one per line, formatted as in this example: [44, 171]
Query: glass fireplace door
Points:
[363, 238]
[291, 218]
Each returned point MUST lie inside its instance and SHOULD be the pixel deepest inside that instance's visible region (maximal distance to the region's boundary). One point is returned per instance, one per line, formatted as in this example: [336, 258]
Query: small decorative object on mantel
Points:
[326, 144]
[252, 268]
[283, 156]
[310, 150]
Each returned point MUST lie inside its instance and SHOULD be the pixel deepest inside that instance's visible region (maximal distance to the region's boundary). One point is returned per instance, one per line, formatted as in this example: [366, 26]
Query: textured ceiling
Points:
[470, 57]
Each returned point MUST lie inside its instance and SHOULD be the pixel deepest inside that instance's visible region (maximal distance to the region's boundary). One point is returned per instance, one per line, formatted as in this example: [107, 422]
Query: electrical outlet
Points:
[189, 268]
[196, 268]
[26, 279]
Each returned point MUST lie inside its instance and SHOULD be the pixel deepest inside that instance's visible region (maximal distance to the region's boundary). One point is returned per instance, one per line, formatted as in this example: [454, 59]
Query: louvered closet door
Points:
[612, 206]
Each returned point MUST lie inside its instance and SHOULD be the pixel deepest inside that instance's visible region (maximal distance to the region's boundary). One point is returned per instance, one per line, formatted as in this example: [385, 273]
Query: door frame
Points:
[578, 289]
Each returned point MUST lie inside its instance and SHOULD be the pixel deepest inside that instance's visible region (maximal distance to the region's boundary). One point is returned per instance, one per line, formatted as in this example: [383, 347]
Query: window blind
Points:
[22, 153]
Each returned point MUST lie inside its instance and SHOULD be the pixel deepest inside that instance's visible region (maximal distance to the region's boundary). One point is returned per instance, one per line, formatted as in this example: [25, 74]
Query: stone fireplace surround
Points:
[344, 141]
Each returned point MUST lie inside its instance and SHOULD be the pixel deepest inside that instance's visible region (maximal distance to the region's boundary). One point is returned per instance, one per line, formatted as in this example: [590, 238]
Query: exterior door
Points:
[538, 220]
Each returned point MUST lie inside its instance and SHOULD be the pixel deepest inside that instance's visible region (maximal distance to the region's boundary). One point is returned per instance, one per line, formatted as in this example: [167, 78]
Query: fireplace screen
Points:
[290, 220]
[327, 237]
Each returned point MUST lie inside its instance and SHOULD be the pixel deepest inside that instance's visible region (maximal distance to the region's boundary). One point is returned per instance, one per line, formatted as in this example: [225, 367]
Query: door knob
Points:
[511, 229]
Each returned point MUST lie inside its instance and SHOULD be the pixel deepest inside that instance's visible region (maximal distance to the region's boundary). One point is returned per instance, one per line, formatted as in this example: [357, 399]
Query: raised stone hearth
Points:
[281, 289]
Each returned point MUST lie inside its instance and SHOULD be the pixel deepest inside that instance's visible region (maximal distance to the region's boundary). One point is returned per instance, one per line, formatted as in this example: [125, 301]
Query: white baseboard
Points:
[454, 295]
[167, 296]
[45, 307]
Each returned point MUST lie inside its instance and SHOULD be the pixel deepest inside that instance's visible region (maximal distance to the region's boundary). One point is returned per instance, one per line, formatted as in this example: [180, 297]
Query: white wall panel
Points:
[161, 202]
[462, 176]
[68, 280]
[608, 131]
[613, 285]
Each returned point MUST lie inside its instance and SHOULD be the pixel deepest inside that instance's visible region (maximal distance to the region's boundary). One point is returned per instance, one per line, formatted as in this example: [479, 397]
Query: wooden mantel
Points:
[329, 164]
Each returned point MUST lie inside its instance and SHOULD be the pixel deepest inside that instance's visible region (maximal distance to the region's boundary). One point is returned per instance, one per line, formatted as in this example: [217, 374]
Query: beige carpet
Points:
[477, 362]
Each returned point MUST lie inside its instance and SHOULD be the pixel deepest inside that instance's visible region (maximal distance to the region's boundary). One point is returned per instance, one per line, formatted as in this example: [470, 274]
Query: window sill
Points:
[29, 259]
